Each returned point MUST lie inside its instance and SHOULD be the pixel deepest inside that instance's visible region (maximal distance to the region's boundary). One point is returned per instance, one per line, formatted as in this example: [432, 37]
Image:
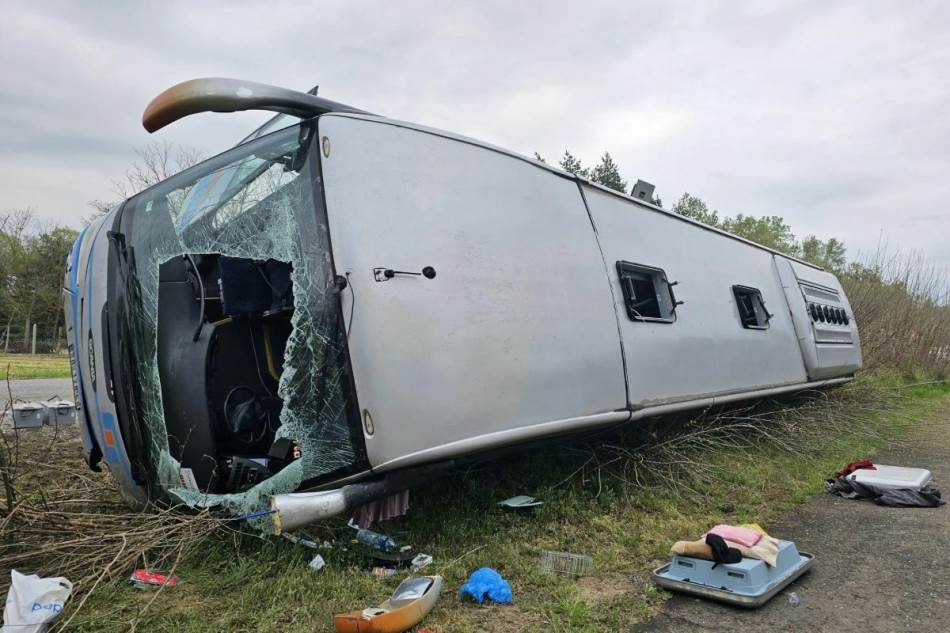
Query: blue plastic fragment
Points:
[487, 583]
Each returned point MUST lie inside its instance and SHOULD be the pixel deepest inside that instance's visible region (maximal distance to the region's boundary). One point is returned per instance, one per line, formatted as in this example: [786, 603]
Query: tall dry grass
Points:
[902, 306]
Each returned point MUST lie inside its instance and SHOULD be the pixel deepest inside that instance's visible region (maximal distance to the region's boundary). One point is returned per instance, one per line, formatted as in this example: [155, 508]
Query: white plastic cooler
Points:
[892, 477]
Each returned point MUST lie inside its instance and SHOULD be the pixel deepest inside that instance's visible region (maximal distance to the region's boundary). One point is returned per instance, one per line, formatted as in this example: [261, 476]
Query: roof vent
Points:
[643, 191]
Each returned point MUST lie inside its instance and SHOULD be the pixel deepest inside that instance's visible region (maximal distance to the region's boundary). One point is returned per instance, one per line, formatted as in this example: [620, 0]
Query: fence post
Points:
[33, 347]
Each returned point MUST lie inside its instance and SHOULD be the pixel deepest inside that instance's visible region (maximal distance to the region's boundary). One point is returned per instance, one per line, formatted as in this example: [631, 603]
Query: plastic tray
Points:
[748, 583]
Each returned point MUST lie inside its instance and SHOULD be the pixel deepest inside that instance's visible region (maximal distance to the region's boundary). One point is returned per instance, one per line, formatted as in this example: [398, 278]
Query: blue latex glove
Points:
[487, 583]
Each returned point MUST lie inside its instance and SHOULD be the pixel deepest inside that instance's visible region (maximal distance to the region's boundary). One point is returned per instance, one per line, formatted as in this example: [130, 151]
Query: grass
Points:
[23, 366]
[246, 583]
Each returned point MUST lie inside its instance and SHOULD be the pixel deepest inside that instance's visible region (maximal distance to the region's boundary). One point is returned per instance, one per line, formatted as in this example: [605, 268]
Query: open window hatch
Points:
[751, 306]
[647, 293]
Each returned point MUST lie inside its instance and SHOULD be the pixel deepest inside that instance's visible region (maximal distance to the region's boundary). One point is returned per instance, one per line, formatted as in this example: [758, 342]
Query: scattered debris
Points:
[895, 486]
[420, 561]
[51, 412]
[898, 477]
[145, 579]
[393, 559]
[307, 541]
[409, 604]
[395, 505]
[317, 563]
[720, 569]
[927, 497]
[58, 412]
[520, 502]
[299, 541]
[383, 572]
[34, 602]
[566, 563]
[860, 464]
[486, 583]
[373, 539]
[764, 548]
[254, 515]
[794, 600]
[27, 415]
[744, 536]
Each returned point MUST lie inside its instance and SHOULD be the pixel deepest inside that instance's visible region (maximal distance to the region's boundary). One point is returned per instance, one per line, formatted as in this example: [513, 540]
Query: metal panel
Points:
[517, 329]
[828, 349]
[706, 351]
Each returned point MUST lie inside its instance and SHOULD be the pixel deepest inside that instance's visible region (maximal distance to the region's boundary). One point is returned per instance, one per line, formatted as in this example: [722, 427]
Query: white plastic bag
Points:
[33, 602]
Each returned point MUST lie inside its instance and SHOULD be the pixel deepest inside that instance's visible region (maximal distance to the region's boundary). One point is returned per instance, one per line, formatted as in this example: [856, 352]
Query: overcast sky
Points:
[835, 115]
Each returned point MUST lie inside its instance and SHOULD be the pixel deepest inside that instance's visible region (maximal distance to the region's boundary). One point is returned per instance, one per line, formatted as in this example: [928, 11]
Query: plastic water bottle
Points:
[793, 599]
[376, 540]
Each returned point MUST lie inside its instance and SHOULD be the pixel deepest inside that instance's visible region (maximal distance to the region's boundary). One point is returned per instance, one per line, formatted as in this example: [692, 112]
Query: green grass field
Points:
[23, 366]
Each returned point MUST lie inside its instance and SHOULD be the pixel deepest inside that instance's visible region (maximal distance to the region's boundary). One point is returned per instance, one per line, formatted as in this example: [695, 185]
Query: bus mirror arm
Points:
[217, 94]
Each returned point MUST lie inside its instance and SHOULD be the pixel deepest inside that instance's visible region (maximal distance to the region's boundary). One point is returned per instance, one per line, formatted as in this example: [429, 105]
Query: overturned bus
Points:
[319, 316]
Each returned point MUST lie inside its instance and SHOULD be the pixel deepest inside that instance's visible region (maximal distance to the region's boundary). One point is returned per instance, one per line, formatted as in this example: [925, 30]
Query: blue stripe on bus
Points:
[88, 440]
[110, 452]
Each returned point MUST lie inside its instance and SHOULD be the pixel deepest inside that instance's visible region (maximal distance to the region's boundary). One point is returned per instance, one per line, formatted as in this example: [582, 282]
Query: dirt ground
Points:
[877, 569]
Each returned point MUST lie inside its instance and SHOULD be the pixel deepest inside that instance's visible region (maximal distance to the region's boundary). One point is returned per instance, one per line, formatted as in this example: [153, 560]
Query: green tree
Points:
[768, 230]
[32, 259]
[607, 173]
[692, 207]
[572, 165]
[825, 253]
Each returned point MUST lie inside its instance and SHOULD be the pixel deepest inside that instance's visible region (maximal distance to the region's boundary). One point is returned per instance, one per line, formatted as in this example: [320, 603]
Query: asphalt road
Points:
[38, 389]
[876, 569]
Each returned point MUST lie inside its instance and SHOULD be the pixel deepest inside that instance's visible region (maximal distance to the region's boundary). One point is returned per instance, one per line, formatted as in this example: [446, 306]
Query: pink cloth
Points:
[743, 536]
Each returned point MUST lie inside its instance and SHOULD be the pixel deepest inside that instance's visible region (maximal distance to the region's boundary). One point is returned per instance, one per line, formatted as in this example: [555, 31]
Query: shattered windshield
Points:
[236, 334]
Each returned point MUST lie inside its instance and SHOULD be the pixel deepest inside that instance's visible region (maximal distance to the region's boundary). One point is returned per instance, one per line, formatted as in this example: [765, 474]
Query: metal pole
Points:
[33, 347]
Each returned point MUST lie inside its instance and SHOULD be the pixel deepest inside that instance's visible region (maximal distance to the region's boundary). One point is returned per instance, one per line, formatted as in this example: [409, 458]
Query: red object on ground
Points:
[147, 577]
[861, 464]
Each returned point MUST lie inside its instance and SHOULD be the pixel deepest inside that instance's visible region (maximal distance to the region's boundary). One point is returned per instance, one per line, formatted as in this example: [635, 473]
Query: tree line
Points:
[768, 230]
[33, 253]
[32, 261]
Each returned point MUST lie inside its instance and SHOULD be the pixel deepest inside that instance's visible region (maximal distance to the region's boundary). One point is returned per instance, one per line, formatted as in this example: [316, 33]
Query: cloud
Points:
[833, 116]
